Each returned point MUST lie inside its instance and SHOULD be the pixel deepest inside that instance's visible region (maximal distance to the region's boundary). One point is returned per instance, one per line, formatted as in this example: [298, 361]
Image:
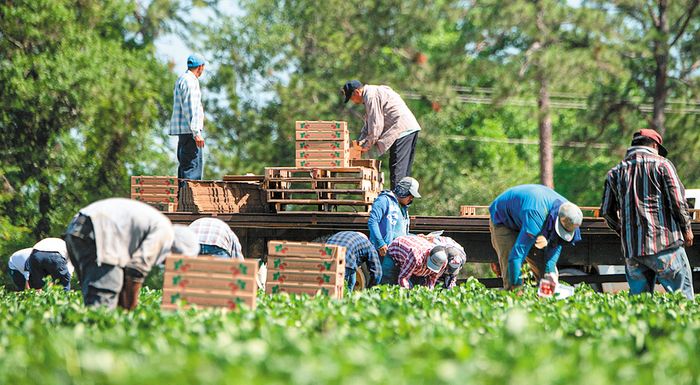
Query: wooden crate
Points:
[335, 135]
[305, 277]
[470, 211]
[322, 154]
[320, 125]
[155, 198]
[280, 263]
[209, 282]
[305, 249]
[223, 197]
[333, 291]
[318, 145]
[148, 180]
[325, 163]
[153, 190]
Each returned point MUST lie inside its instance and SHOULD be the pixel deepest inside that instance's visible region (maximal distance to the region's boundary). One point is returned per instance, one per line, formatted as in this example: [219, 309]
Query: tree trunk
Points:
[544, 120]
[43, 227]
[661, 53]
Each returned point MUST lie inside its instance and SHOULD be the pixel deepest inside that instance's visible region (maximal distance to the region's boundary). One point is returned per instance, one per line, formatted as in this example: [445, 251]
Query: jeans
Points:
[18, 278]
[189, 157]
[669, 267]
[401, 155]
[47, 263]
[350, 278]
[100, 284]
[213, 250]
[390, 274]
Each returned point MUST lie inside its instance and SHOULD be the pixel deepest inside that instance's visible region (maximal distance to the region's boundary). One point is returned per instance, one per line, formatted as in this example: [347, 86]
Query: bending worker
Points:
[418, 259]
[528, 215]
[359, 250]
[216, 238]
[115, 242]
[389, 125]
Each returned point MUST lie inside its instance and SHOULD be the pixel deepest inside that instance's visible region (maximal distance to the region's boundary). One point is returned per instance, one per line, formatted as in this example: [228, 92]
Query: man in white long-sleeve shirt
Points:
[16, 267]
[389, 125]
[187, 121]
[115, 242]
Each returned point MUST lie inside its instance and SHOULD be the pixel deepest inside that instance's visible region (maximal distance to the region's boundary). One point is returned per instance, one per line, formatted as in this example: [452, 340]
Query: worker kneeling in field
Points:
[389, 218]
[115, 242]
[528, 215]
[416, 258]
[17, 270]
[359, 250]
[49, 258]
[216, 238]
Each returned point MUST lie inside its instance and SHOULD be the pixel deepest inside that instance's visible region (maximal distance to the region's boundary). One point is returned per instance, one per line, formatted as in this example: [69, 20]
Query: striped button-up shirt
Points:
[215, 232]
[188, 113]
[644, 202]
[410, 253]
[359, 251]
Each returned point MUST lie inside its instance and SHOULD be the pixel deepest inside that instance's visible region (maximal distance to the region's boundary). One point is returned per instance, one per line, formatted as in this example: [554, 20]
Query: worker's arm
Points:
[675, 193]
[375, 267]
[406, 268]
[551, 256]
[431, 280]
[374, 123]
[153, 249]
[378, 212]
[521, 247]
[609, 207]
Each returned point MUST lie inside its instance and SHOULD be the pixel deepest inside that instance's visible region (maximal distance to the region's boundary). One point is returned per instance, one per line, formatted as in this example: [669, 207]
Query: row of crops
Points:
[469, 335]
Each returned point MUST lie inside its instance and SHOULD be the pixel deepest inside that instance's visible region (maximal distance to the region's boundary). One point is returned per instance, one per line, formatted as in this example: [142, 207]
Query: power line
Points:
[528, 141]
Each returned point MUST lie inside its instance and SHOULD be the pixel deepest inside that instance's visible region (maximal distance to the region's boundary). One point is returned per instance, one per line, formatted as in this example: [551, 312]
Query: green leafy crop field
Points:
[470, 335]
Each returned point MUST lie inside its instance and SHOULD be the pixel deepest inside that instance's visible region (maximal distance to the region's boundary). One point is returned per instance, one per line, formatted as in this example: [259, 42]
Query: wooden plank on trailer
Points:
[283, 263]
[310, 249]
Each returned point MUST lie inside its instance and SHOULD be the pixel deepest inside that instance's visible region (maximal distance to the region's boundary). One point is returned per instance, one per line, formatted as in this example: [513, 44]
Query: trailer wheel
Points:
[571, 272]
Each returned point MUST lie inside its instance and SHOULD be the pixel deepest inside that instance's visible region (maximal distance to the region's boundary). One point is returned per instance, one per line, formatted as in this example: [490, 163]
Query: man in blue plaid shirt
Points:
[359, 251]
[187, 121]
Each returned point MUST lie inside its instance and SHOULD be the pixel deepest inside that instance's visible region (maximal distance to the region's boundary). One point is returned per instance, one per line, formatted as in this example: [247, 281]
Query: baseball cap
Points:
[185, 242]
[437, 259]
[455, 258]
[195, 60]
[411, 185]
[570, 216]
[653, 135]
[349, 88]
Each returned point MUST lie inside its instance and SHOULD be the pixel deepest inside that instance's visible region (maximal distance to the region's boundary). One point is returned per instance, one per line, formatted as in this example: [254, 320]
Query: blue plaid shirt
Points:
[188, 113]
[359, 250]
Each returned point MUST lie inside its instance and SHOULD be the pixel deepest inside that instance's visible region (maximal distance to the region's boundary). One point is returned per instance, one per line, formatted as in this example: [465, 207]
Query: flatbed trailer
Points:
[599, 244]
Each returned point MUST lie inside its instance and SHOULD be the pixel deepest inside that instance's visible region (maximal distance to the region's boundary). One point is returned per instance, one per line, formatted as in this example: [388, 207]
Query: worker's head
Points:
[406, 190]
[569, 219]
[437, 259]
[195, 64]
[185, 242]
[649, 138]
[455, 259]
[352, 90]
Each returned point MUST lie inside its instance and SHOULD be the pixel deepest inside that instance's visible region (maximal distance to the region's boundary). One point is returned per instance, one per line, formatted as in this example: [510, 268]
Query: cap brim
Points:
[562, 232]
[432, 267]
[347, 97]
[662, 150]
[414, 193]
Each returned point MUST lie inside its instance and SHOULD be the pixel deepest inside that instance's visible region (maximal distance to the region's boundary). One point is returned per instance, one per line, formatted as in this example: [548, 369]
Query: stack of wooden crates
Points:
[322, 144]
[209, 282]
[158, 191]
[305, 268]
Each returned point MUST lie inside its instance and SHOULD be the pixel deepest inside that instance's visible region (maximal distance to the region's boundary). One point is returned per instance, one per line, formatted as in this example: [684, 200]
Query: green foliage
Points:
[383, 335]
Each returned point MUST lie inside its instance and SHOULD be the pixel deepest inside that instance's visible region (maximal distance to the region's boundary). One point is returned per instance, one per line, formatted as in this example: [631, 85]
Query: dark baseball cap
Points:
[349, 88]
[653, 135]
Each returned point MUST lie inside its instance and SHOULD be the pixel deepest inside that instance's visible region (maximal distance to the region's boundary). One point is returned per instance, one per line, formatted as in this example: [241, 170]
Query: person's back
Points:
[528, 203]
[216, 238]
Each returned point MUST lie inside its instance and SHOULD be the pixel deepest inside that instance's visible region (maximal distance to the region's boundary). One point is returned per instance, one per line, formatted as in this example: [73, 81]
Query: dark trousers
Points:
[401, 155]
[189, 157]
[18, 278]
[47, 263]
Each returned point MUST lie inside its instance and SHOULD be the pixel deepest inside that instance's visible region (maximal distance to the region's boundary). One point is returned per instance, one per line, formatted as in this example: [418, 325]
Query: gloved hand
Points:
[554, 277]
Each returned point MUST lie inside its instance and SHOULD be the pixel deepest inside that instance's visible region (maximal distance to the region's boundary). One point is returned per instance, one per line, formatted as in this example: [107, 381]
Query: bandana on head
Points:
[401, 191]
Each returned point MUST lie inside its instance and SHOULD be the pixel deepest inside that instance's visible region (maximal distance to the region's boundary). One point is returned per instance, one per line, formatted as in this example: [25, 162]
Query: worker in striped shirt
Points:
[187, 120]
[417, 257]
[644, 203]
[359, 250]
[455, 257]
[216, 238]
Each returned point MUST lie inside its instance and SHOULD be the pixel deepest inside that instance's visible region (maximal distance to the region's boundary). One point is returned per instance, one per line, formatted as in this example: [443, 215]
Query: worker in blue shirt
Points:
[531, 215]
[389, 219]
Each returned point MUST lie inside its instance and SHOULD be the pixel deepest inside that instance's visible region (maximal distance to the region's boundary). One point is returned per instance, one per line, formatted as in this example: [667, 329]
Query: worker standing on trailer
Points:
[115, 242]
[49, 258]
[389, 125]
[17, 270]
[528, 215]
[359, 250]
[389, 219]
[187, 120]
[216, 238]
[644, 203]
[417, 258]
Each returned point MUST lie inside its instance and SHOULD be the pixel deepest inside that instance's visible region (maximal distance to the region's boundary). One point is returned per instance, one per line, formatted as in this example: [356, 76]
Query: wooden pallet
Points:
[245, 178]
[222, 197]
[209, 282]
[321, 172]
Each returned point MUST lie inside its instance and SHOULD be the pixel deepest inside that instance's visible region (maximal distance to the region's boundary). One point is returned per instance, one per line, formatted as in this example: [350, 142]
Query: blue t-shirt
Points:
[524, 209]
